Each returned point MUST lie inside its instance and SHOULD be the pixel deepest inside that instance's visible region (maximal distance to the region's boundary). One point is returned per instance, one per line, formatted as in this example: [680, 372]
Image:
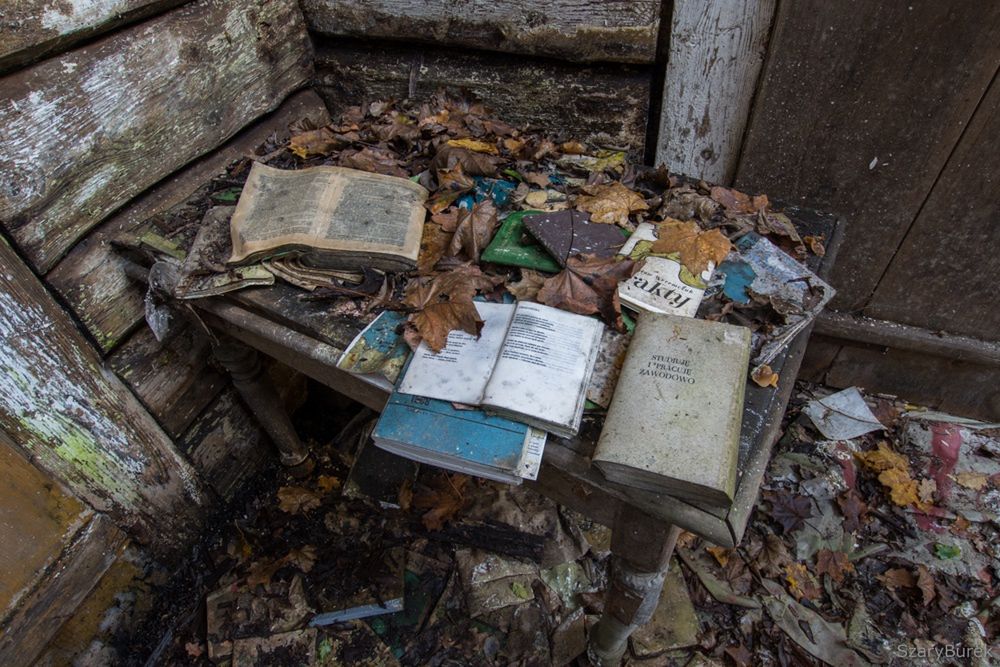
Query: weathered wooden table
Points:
[645, 525]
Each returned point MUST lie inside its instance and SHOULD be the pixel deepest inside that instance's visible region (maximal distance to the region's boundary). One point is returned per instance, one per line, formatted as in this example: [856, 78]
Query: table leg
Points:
[641, 547]
[243, 364]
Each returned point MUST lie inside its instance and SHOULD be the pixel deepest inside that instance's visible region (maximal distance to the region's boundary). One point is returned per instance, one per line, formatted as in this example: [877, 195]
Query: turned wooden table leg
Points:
[640, 551]
[243, 364]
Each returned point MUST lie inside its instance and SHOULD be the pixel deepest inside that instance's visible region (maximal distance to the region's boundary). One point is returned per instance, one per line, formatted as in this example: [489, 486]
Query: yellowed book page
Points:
[327, 208]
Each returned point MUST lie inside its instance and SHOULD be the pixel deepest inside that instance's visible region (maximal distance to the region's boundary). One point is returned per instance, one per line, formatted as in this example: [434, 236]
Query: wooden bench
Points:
[306, 336]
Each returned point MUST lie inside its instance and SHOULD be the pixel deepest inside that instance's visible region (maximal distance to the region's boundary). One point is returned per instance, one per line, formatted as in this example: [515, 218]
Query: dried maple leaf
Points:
[442, 501]
[896, 578]
[303, 558]
[833, 563]
[297, 499]
[474, 145]
[788, 510]
[926, 488]
[526, 289]
[444, 302]
[473, 164]
[433, 245]
[696, 247]
[765, 377]
[327, 483]
[854, 510]
[589, 285]
[736, 202]
[474, 230]
[610, 203]
[801, 583]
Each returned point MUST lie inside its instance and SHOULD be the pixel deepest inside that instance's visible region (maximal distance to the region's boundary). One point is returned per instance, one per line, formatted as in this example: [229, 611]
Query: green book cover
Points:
[511, 246]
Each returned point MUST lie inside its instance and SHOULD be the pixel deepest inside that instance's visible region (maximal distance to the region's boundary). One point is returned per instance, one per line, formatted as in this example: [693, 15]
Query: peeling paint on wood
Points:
[31, 29]
[76, 420]
[92, 278]
[578, 30]
[605, 105]
[85, 132]
[715, 56]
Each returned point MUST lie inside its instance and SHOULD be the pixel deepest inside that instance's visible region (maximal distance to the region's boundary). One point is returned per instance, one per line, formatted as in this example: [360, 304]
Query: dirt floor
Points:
[881, 548]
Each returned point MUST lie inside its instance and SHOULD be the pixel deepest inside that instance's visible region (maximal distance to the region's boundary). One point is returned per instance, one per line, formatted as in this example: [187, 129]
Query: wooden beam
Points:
[39, 616]
[860, 105]
[79, 423]
[715, 54]
[598, 104]
[578, 30]
[33, 29]
[92, 277]
[85, 132]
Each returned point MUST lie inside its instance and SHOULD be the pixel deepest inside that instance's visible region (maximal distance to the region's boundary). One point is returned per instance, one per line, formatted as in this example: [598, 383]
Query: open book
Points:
[531, 363]
[332, 217]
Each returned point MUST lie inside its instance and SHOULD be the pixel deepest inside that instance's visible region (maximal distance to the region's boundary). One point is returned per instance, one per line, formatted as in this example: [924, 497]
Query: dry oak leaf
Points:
[589, 285]
[442, 501]
[526, 289]
[696, 247]
[610, 203]
[444, 302]
[474, 145]
[833, 563]
[297, 499]
[474, 230]
[765, 377]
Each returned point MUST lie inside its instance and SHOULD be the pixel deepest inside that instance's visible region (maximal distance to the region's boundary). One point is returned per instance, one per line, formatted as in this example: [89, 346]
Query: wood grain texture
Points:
[860, 106]
[85, 132]
[92, 278]
[716, 50]
[36, 518]
[67, 582]
[602, 104]
[78, 422]
[32, 29]
[227, 445]
[579, 30]
[174, 380]
[944, 275]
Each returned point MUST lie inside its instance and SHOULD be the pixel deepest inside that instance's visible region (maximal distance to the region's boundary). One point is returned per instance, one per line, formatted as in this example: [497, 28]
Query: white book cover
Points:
[663, 285]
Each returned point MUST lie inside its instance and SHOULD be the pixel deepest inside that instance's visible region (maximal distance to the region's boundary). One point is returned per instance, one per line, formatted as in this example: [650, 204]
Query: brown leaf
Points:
[448, 218]
[925, 582]
[773, 556]
[789, 510]
[765, 377]
[327, 483]
[442, 501]
[323, 141]
[445, 303]
[736, 202]
[854, 510]
[573, 148]
[896, 578]
[473, 164]
[833, 563]
[778, 224]
[696, 247]
[375, 160]
[474, 230]
[405, 498]
[589, 285]
[526, 289]
[801, 583]
[815, 244]
[297, 499]
[452, 184]
[538, 178]
[720, 554]
[739, 654]
[433, 245]
[610, 203]
[303, 558]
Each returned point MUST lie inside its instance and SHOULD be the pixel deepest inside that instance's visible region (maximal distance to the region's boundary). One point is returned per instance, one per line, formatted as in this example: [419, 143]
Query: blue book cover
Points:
[469, 441]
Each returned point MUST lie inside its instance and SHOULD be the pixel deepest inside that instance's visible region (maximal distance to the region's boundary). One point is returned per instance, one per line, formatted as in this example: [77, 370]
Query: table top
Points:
[307, 336]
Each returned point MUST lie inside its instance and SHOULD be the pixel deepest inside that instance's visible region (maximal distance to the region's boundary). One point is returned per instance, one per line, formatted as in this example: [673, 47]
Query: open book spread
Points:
[673, 426]
[531, 363]
[663, 284]
[332, 217]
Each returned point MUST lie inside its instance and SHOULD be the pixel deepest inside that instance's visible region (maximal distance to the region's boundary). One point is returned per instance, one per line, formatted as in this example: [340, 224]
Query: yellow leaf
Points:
[474, 145]
[902, 489]
[610, 203]
[765, 377]
[721, 555]
[696, 247]
[328, 483]
[972, 480]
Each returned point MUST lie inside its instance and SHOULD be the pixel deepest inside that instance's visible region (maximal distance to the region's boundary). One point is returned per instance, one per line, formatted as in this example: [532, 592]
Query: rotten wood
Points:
[33, 29]
[943, 277]
[598, 104]
[92, 278]
[227, 445]
[88, 130]
[860, 106]
[65, 585]
[715, 53]
[577, 30]
[78, 422]
[174, 380]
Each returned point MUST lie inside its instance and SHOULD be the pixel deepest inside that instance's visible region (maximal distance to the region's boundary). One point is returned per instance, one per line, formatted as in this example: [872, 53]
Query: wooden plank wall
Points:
[583, 68]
